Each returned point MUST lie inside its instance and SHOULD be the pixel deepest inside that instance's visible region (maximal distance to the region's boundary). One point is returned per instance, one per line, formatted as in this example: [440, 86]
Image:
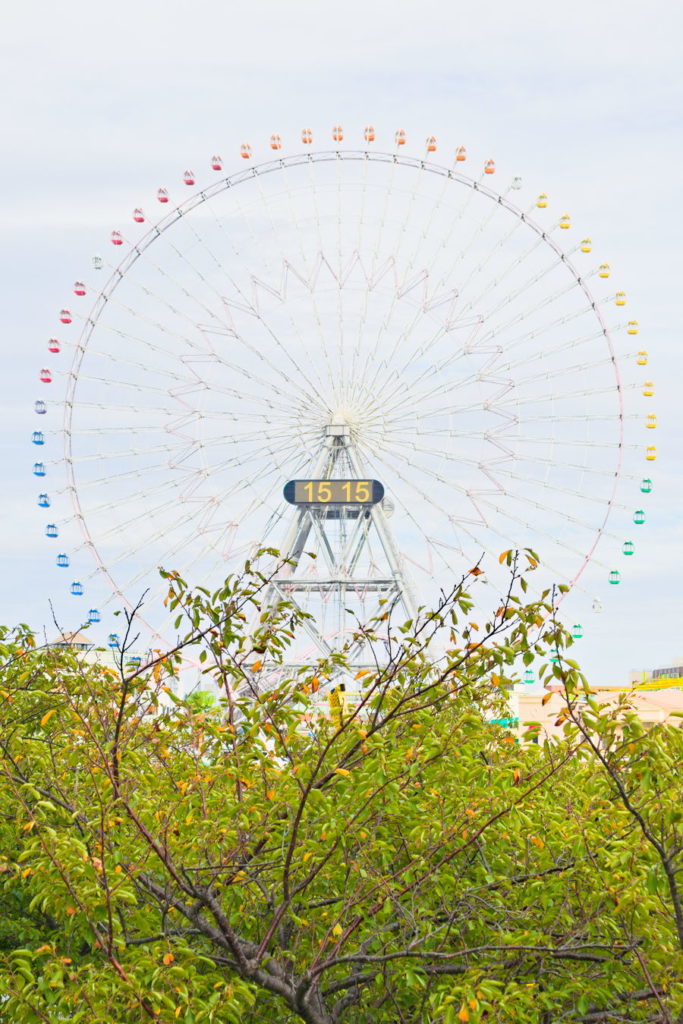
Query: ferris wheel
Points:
[332, 316]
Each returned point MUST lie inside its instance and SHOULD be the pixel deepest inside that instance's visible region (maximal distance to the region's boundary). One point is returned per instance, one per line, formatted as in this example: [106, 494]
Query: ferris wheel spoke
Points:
[308, 271]
[552, 539]
[479, 498]
[377, 263]
[495, 464]
[410, 274]
[279, 277]
[112, 407]
[596, 364]
[479, 546]
[191, 295]
[518, 318]
[496, 368]
[117, 359]
[424, 470]
[165, 487]
[128, 453]
[429, 401]
[499, 244]
[516, 293]
[596, 499]
[159, 325]
[467, 247]
[534, 503]
[218, 322]
[566, 344]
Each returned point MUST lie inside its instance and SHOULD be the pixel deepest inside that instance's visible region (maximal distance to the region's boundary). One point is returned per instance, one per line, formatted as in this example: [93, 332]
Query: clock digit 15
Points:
[333, 492]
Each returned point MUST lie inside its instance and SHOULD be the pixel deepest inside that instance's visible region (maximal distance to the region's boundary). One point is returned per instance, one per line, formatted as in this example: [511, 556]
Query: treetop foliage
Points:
[393, 856]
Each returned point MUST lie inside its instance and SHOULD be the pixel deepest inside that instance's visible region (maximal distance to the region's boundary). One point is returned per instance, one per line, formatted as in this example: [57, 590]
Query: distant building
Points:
[652, 702]
[664, 677]
[108, 657]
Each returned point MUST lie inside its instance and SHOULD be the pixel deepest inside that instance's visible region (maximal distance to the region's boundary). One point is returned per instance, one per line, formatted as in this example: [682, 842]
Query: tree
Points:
[267, 859]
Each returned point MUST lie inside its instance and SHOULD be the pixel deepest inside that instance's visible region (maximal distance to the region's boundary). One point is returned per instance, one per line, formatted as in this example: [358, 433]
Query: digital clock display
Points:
[333, 492]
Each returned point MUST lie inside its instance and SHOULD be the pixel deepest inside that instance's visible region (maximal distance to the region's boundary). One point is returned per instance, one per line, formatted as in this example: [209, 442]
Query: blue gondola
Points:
[40, 407]
[51, 530]
[62, 561]
[77, 588]
[38, 437]
[39, 469]
[44, 500]
[94, 615]
[113, 640]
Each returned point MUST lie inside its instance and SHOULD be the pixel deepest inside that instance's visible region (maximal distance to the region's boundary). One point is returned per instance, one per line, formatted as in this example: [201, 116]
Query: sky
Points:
[104, 103]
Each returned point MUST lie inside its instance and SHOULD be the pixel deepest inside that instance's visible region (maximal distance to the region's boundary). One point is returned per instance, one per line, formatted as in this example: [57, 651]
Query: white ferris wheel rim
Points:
[138, 250]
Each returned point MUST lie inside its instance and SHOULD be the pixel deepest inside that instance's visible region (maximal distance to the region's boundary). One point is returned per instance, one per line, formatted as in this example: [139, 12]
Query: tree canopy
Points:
[394, 856]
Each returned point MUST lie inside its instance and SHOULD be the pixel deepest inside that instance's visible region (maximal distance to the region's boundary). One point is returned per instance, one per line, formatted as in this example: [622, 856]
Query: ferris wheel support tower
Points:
[341, 536]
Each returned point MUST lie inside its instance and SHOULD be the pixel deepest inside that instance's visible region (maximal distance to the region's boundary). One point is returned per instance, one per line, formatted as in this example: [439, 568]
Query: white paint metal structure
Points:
[338, 537]
[468, 338]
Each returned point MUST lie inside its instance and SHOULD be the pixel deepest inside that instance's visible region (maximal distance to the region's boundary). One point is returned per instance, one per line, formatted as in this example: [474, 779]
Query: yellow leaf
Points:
[28, 826]
[44, 949]
[26, 872]
[256, 667]
[501, 558]
[188, 819]
[363, 672]
[474, 625]
[270, 794]
[178, 1010]
[168, 958]
[337, 930]
[464, 1013]
[547, 697]
[537, 842]
[341, 771]
[47, 716]
[5, 694]
[473, 1004]
[516, 775]
[476, 571]
[307, 855]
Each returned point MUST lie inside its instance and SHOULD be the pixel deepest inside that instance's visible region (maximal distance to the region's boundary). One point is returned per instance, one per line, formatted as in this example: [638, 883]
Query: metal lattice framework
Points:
[351, 310]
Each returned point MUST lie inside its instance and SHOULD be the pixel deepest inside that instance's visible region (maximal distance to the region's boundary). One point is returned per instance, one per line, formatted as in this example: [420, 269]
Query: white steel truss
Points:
[355, 555]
